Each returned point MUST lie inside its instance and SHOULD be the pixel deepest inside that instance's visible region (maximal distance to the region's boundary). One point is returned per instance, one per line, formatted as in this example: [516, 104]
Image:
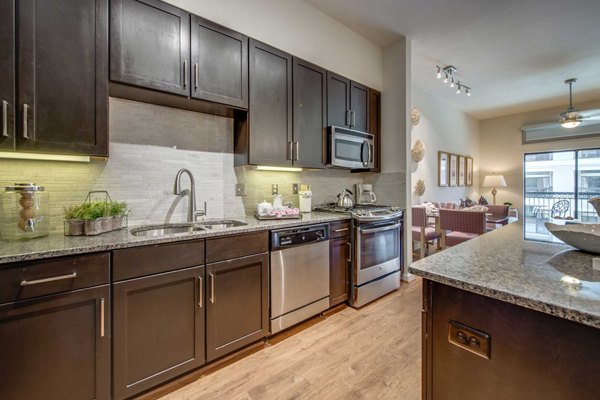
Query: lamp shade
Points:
[494, 181]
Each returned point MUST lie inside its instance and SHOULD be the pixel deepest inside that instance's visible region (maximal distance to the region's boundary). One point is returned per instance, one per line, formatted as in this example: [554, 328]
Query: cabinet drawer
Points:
[148, 260]
[339, 229]
[229, 247]
[26, 280]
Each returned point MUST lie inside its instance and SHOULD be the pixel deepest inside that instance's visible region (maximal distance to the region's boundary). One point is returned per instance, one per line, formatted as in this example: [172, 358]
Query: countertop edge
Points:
[130, 241]
[559, 311]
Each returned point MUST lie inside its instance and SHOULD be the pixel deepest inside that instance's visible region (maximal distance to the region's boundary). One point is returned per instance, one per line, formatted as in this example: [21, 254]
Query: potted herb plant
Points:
[118, 211]
[74, 224]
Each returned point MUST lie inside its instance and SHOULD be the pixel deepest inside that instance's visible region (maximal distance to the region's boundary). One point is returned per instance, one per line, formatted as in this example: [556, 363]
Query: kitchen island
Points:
[499, 322]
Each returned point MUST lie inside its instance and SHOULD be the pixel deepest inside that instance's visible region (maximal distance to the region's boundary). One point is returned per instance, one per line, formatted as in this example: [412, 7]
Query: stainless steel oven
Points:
[349, 148]
[377, 259]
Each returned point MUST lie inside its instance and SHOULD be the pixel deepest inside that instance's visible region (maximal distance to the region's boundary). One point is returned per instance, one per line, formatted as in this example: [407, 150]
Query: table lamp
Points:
[494, 181]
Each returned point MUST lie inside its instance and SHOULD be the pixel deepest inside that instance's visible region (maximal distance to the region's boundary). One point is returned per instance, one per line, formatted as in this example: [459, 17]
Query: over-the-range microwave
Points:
[349, 148]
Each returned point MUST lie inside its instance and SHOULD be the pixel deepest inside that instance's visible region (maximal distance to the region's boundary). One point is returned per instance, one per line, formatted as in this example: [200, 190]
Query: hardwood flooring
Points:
[371, 353]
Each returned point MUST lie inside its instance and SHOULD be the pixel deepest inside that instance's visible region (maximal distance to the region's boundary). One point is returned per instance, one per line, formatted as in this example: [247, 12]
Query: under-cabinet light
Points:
[43, 157]
[280, 169]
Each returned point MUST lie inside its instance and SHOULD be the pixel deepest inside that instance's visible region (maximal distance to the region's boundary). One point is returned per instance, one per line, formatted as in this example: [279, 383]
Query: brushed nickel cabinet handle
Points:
[353, 113]
[290, 151]
[349, 259]
[52, 279]
[200, 292]
[4, 118]
[185, 74]
[341, 230]
[297, 151]
[25, 122]
[102, 318]
[196, 76]
[348, 118]
[213, 298]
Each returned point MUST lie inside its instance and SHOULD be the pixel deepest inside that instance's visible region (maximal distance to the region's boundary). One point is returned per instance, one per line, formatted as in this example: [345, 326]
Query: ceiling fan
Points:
[570, 118]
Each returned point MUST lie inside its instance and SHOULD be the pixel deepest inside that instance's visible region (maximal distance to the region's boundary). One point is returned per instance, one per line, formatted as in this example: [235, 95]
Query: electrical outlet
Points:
[240, 189]
[295, 188]
[274, 189]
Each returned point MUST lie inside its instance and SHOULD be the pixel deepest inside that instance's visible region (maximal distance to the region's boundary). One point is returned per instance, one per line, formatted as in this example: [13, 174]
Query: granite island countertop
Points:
[56, 245]
[504, 266]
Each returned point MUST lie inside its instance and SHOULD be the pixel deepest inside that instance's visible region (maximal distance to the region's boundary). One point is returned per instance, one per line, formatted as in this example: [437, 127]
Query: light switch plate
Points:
[295, 188]
[240, 189]
[274, 189]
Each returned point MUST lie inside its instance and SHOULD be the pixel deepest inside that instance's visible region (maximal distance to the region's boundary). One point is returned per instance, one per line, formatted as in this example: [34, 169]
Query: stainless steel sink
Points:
[173, 229]
[165, 230]
[221, 224]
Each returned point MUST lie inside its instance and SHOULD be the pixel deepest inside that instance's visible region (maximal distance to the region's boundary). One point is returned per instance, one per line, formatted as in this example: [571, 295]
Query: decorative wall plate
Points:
[418, 151]
[415, 115]
[420, 187]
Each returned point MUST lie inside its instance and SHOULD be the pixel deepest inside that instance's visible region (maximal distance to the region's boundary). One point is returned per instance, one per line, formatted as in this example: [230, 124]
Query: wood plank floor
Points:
[371, 353]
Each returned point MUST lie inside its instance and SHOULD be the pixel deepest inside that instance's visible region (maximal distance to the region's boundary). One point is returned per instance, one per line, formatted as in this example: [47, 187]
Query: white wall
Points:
[298, 28]
[443, 128]
[502, 150]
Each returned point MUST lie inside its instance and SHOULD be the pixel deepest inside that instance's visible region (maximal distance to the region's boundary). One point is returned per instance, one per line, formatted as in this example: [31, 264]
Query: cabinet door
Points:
[7, 72]
[359, 104]
[63, 94]
[310, 85]
[158, 329]
[56, 347]
[339, 274]
[219, 64]
[375, 127]
[150, 45]
[270, 108]
[238, 304]
[338, 100]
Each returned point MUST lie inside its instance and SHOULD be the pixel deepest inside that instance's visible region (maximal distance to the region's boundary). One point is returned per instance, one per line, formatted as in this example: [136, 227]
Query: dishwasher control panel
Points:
[298, 236]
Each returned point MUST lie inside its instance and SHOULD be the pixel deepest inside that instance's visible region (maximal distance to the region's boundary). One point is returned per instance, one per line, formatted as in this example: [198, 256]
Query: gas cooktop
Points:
[364, 212]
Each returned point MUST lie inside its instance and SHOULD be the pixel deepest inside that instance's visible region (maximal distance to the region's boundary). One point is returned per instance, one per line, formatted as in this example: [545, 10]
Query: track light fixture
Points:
[449, 76]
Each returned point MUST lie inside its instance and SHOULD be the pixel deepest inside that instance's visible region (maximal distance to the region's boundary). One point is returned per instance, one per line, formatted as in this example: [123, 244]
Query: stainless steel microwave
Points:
[349, 148]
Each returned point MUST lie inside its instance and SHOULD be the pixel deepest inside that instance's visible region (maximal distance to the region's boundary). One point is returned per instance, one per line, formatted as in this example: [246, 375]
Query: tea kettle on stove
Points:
[345, 199]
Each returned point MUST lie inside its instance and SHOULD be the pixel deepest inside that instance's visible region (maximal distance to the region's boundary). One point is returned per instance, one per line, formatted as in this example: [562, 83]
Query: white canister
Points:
[263, 208]
[277, 201]
[305, 201]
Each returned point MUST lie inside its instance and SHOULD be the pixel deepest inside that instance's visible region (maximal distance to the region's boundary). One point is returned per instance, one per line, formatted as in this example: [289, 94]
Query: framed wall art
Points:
[453, 170]
[442, 168]
[462, 162]
[469, 168]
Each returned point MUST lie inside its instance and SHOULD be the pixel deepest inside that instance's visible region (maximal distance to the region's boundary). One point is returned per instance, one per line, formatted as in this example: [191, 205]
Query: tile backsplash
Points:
[149, 144]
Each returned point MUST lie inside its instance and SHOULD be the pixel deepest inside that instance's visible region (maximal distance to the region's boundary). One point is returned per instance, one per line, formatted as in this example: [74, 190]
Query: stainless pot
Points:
[345, 199]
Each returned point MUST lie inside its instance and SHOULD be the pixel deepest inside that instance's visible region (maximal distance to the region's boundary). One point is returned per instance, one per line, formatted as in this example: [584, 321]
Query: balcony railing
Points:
[538, 209]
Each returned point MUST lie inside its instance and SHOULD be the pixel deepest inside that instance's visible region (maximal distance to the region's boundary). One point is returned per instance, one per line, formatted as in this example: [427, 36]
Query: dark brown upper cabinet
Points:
[150, 45]
[375, 126]
[269, 122]
[158, 329]
[359, 107]
[219, 64]
[347, 103]
[7, 72]
[62, 76]
[237, 312]
[309, 116]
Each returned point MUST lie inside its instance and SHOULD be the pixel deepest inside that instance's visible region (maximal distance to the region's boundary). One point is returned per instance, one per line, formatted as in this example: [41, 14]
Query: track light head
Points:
[446, 78]
[458, 89]
[468, 93]
[452, 82]
[439, 72]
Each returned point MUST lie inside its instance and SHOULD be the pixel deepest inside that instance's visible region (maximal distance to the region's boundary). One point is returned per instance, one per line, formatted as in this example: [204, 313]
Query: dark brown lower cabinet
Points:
[56, 347]
[237, 311]
[158, 329]
[530, 355]
[339, 270]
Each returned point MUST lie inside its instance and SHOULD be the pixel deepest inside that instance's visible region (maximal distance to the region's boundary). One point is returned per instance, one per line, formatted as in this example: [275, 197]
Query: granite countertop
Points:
[56, 245]
[504, 266]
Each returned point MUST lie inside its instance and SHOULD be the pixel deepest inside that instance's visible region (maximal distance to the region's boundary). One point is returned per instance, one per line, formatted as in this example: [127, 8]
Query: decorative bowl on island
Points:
[585, 237]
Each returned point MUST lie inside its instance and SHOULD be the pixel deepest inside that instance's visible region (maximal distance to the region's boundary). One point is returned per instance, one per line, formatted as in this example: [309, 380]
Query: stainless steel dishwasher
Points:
[299, 274]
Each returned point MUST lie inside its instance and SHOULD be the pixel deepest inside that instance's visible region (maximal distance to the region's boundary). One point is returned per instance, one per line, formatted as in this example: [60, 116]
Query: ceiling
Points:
[515, 54]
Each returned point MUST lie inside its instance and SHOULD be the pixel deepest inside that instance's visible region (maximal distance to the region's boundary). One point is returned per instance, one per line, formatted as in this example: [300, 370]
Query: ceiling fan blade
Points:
[540, 125]
[590, 113]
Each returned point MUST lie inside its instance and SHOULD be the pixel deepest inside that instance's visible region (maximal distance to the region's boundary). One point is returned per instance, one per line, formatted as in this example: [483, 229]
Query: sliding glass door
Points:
[557, 187]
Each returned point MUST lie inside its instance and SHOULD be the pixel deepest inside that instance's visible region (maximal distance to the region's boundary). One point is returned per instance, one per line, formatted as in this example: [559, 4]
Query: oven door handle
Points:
[381, 229]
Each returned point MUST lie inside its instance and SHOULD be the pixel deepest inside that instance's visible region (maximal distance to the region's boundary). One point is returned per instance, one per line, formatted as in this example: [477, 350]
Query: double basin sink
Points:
[172, 229]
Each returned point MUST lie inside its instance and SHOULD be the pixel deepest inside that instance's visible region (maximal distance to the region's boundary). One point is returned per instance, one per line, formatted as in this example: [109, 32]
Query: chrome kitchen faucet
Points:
[192, 213]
